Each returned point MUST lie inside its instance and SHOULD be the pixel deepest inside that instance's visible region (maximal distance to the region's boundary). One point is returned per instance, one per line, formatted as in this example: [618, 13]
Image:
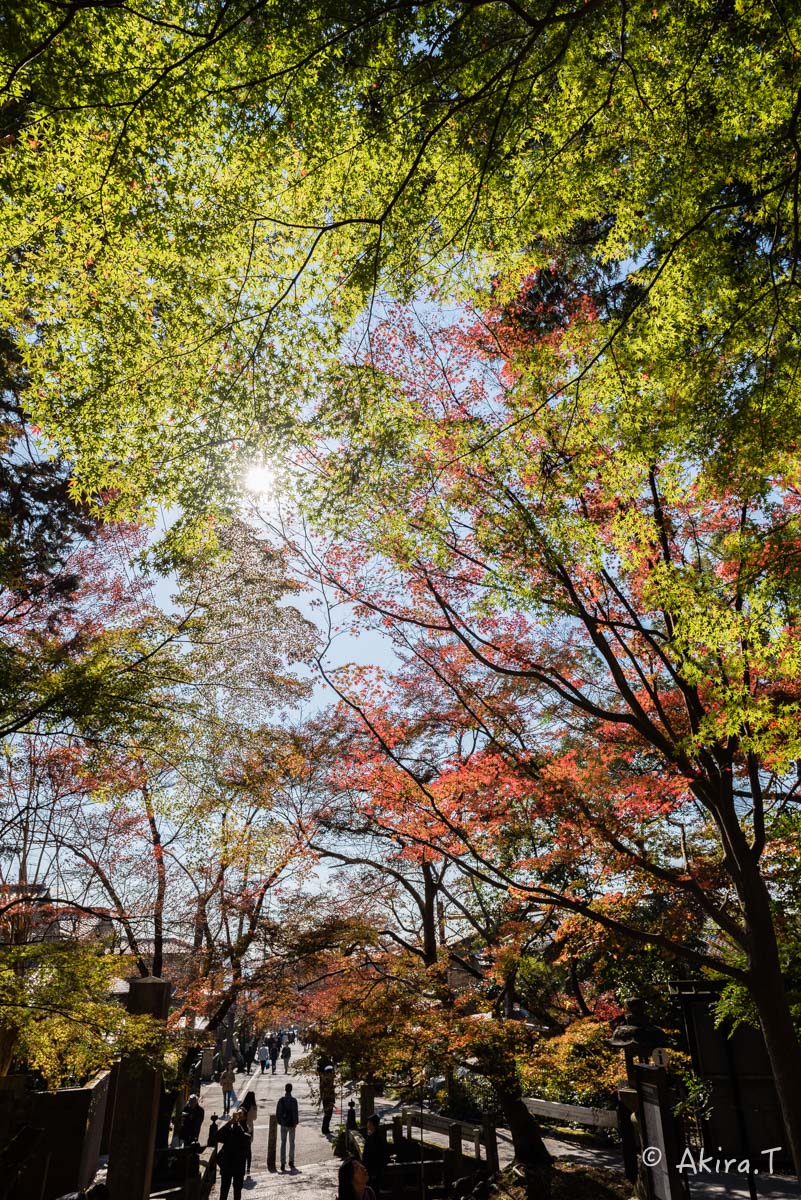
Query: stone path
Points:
[315, 1174]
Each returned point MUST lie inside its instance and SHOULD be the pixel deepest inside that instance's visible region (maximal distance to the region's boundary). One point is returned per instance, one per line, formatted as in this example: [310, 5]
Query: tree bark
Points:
[428, 913]
[530, 1150]
[766, 984]
[161, 884]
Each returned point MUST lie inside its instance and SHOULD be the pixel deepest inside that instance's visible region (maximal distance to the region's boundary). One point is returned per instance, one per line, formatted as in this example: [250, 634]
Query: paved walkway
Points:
[315, 1174]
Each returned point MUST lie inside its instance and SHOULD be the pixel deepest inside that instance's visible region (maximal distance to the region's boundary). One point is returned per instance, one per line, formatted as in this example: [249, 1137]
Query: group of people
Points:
[235, 1141]
[271, 1049]
[358, 1180]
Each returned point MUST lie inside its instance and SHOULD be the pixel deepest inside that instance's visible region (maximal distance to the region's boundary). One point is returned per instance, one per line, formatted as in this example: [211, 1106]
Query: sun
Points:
[260, 478]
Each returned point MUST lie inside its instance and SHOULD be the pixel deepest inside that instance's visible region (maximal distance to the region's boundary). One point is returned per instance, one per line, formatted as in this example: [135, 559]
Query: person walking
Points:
[286, 1054]
[264, 1056]
[250, 1108]
[273, 1053]
[232, 1155]
[288, 1119]
[190, 1122]
[227, 1081]
[328, 1096]
[248, 1055]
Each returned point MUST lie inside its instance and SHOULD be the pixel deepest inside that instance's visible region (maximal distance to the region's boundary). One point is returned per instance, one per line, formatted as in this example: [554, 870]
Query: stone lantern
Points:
[638, 1039]
[636, 1036]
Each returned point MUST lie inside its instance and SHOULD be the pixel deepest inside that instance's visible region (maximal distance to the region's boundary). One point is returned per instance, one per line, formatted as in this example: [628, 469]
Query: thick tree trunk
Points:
[530, 1150]
[766, 985]
[8, 1042]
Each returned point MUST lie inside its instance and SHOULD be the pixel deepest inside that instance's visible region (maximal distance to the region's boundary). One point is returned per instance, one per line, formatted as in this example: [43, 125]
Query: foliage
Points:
[615, 585]
[599, 691]
[197, 184]
[575, 1067]
[59, 1015]
[144, 769]
[618, 969]
[75, 636]
[39, 525]
[696, 1093]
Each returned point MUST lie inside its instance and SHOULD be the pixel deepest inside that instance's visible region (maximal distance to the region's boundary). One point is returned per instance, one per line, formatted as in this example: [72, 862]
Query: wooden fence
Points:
[574, 1114]
[457, 1132]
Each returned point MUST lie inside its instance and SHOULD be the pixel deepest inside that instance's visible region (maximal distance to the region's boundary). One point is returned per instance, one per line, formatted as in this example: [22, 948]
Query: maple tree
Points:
[428, 932]
[612, 620]
[74, 639]
[206, 195]
[141, 826]
[463, 960]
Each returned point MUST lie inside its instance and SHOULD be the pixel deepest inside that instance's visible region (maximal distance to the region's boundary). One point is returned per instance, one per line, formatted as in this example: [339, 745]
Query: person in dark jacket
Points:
[232, 1155]
[250, 1108]
[191, 1121]
[249, 1054]
[288, 1119]
[328, 1096]
[375, 1152]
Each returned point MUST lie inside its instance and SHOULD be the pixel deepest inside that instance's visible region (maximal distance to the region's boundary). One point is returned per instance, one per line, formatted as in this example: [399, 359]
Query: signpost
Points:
[660, 1152]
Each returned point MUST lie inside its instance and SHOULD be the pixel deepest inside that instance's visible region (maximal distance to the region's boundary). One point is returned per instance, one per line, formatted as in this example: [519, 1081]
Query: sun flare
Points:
[260, 479]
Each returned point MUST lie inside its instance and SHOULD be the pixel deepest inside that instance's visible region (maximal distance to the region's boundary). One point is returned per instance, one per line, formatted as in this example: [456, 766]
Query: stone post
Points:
[366, 1103]
[454, 1159]
[136, 1107]
[272, 1140]
[491, 1144]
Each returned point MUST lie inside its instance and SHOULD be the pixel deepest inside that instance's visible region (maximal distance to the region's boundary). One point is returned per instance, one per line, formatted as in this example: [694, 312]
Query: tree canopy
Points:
[195, 184]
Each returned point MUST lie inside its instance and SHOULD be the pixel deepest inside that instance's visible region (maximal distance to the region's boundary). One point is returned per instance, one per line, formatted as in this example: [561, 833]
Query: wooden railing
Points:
[456, 1132]
[574, 1114]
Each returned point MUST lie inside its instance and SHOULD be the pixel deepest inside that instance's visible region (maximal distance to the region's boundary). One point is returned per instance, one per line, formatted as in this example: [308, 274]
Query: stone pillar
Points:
[136, 1108]
[366, 1103]
[207, 1063]
[491, 1145]
[272, 1140]
[454, 1157]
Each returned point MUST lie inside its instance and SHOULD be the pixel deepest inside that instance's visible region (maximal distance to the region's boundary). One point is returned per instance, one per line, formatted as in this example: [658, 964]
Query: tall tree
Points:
[642, 612]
